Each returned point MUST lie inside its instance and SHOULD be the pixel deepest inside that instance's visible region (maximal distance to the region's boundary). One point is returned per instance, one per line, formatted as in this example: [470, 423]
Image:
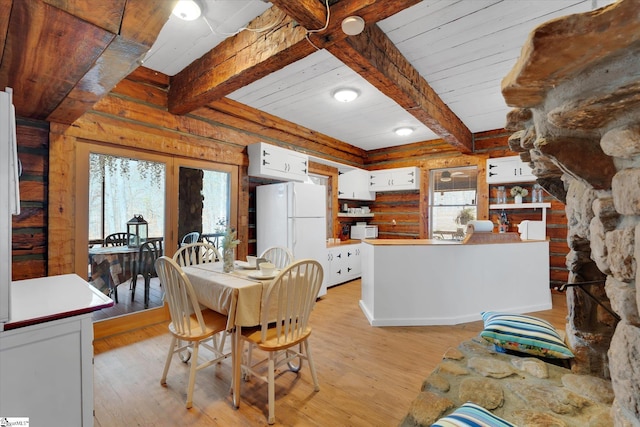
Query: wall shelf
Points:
[534, 206]
[519, 205]
[355, 215]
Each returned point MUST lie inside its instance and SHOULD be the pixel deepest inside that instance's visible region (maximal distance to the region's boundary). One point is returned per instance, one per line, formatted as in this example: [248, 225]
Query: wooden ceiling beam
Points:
[141, 22]
[248, 56]
[238, 61]
[373, 56]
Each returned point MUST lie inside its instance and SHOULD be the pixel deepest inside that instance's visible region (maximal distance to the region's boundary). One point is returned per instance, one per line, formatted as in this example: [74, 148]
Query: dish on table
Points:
[245, 265]
[259, 275]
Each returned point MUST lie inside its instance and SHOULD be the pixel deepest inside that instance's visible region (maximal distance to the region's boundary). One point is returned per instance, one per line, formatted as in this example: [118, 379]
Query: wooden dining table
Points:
[234, 294]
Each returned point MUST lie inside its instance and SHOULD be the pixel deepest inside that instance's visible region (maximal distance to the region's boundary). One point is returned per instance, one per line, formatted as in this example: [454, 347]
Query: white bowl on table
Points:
[267, 269]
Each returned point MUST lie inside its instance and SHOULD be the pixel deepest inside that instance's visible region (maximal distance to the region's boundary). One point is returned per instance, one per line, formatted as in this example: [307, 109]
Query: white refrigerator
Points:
[9, 197]
[293, 215]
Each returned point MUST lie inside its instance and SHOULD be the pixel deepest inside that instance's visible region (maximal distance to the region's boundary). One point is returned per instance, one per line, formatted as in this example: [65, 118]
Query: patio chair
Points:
[189, 238]
[188, 322]
[119, 239]
[149, 252]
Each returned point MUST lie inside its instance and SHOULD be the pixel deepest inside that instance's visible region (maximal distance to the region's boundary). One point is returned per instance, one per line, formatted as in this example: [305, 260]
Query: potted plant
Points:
[518, 193]
[464, 216]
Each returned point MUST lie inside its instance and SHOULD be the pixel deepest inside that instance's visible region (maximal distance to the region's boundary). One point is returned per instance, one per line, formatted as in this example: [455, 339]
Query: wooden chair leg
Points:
[272, 388]
[314, 375]
[192, 374]
[163, 380]
[147, 285]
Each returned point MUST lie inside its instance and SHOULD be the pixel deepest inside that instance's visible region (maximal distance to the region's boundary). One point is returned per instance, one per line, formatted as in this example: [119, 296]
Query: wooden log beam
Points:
[141, 22]
[375, 57]
[248, 56]
[238, 61]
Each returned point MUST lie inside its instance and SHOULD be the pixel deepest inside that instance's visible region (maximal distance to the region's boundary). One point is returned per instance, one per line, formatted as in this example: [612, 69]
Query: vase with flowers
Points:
[518, 193]
[229, 243]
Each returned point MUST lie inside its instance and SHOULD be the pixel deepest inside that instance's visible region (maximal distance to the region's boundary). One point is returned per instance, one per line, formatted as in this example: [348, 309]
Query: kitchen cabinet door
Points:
[269, 161]
[508, 169]
[397, 179]
[47, 372]
[344, 264]
[353, 184]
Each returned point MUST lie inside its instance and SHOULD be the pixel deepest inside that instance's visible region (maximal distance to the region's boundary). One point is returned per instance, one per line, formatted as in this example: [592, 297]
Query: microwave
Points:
[364, 231]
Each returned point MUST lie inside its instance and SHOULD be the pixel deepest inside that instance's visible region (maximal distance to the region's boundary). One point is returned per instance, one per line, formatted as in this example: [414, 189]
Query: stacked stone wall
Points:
[577, 89]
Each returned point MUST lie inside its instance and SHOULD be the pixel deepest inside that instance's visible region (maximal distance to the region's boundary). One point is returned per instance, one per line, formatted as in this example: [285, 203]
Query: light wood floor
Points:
[368, 376]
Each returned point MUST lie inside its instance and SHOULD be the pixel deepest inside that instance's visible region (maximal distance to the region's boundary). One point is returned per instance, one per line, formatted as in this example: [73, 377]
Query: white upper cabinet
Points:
[353, 184]
[270, 161]
[395, 179]
[508, 169]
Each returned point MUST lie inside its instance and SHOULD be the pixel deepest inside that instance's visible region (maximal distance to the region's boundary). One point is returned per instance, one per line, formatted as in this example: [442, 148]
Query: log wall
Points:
[29, 240]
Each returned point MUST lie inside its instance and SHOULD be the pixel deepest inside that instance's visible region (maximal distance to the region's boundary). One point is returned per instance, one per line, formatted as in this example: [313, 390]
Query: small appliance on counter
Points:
[363, 231]
[532, 230]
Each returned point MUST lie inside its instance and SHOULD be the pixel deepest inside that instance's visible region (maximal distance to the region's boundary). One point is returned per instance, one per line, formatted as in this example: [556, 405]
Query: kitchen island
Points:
[436, 282]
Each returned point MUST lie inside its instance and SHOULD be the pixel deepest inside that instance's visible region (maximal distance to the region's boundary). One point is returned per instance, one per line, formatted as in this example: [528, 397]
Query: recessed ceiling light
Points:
[445, 176]
[352, 25]
[187, 10]
[404, 131]
[346, 95]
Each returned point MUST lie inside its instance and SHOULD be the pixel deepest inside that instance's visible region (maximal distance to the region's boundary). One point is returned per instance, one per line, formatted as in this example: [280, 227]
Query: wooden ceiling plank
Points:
[143, 20]
[116, 62]
[238, 61]
[375, 58]
[5, 5]
[66, 49]
[104, 14]
[122, 56]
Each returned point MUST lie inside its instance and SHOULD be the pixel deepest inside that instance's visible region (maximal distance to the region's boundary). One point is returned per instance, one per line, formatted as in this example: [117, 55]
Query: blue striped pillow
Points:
[525, 334]
[471, 415]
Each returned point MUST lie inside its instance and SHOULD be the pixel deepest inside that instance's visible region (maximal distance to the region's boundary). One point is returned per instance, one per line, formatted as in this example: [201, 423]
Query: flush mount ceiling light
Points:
[445, 177]
[403, 131]
[187, 10]
[345, 95]
[352, 25]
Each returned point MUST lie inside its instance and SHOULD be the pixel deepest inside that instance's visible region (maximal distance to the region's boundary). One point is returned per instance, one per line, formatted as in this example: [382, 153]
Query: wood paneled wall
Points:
[29, 240]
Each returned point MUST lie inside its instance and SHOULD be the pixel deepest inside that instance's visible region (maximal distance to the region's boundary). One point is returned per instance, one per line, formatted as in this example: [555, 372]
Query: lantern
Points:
[138, 230]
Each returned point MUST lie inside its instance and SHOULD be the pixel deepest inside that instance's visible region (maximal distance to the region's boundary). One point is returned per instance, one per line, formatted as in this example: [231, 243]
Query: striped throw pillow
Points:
[471, 415]
[525, 334]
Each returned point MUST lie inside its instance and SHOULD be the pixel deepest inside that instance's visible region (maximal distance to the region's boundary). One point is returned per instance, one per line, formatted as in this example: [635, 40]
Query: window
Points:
[120, 188]
[453, 198]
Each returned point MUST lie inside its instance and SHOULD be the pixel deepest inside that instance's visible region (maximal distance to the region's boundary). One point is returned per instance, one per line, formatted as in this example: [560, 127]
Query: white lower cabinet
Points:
[46, 372]
[343, 263]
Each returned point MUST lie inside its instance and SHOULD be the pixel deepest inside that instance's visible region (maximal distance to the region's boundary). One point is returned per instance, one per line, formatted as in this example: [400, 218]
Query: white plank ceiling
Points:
[462, 48]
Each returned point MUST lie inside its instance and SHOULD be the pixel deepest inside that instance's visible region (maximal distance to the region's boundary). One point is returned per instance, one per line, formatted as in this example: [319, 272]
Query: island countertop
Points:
[407, 282]
[476, 239]
[50, 298]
